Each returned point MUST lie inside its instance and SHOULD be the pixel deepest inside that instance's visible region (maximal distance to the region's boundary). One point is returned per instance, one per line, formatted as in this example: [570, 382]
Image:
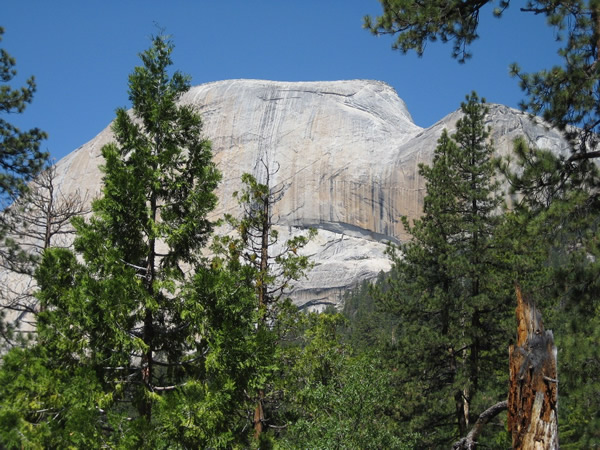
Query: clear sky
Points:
[82, 51]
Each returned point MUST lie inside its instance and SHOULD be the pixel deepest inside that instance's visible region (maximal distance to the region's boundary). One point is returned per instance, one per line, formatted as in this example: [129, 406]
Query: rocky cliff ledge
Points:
[348, 155]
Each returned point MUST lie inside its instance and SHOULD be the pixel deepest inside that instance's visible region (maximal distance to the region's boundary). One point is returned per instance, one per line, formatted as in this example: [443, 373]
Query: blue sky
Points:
[81, 53]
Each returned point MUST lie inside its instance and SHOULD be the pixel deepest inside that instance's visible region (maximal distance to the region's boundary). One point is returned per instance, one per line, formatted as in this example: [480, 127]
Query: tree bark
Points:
[533, 392]
[259, 415]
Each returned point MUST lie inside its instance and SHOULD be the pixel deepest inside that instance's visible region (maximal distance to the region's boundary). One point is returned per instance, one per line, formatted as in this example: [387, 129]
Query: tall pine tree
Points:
[559, 215]
[274, 264]
[160, 340]
[446, 289]
[159, 181]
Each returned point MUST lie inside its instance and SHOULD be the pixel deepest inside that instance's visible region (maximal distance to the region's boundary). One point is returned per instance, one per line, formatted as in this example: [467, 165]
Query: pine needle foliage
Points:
[448, 291]
[20, 155]
[153, 343]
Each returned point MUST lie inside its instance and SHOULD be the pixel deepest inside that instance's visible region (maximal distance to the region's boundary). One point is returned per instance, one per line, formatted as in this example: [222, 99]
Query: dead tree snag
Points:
[533, 392]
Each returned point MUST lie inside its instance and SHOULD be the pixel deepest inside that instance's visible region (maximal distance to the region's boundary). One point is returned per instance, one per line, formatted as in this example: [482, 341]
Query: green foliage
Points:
[172, 351]
[548, 242]
[45, 406]
[157, 349]
[20, 155]
[256, 242]
[416, 23]
[334, 398]
[272, 266]
[567, 96]
[368, 325]
[20, 161]
[449, 291]
[158, 188]
[552, 232]
[210, 409]
[556, 228]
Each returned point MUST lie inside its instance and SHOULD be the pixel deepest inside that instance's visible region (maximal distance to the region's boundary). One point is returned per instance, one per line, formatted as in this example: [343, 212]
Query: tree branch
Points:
[469, 442]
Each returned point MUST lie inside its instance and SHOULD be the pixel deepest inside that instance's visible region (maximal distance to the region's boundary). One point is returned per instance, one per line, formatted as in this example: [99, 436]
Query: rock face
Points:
[346, 154]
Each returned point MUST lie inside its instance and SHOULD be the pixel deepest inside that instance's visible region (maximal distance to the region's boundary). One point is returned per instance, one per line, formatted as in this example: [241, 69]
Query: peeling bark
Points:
[533, 394]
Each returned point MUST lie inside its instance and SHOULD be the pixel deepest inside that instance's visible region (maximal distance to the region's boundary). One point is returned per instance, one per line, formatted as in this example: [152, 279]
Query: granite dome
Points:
[347, 154]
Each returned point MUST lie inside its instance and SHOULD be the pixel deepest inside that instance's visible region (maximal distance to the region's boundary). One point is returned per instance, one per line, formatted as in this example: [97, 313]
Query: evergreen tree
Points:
[368, 325]
[275, 264]
[555, 226]
[20, 161]
[160, 341]
[447, 289]
[336, 397]
[159, 182]
[20, 155]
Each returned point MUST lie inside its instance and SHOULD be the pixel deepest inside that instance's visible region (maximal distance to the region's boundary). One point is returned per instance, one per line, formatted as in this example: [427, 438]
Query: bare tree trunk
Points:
[533, 394]
[259, 415]
[148, 325]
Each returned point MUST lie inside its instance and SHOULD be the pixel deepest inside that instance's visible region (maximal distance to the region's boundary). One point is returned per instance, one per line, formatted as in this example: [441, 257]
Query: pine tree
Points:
[275, 264]
[368, 327]
[556, 225]
[447, 290]
[20, 155]
[161, 340]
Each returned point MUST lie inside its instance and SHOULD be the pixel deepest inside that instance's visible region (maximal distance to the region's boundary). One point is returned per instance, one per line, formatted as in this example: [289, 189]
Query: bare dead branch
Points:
[469, 442]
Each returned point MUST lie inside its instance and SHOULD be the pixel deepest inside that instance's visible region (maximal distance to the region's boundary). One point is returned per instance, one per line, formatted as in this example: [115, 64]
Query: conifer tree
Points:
[274, 263]
[159, 182]
[20, 155]
[160, 340]
[447, 291]
[556, 225]
[20, 160]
